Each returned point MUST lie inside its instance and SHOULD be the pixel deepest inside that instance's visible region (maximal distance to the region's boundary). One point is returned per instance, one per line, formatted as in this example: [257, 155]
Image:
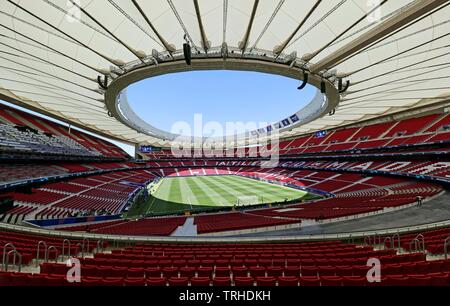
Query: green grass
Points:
[180, 194]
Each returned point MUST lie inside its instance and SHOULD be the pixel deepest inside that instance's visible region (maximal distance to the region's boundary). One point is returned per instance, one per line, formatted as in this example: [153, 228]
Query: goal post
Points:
[248, 200]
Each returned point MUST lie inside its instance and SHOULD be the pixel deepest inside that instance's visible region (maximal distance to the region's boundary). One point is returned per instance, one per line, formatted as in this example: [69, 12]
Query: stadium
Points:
[348, 189]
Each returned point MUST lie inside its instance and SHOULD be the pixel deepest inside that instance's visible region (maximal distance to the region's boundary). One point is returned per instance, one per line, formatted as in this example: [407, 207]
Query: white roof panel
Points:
[51, 52]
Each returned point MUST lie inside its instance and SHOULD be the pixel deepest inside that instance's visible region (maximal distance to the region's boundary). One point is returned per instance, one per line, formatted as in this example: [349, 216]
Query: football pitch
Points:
[199, 193]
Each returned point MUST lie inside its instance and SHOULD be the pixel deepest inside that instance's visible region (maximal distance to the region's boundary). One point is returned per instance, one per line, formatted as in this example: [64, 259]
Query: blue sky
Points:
[222, 96]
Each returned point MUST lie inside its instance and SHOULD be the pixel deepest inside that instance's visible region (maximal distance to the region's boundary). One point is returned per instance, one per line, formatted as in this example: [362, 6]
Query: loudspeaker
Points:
[323, 87]
[187, 53]
[305, 81]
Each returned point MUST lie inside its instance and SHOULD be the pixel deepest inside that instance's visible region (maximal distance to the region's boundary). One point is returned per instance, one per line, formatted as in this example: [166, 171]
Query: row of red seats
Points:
[144, 227]
[21, 279]
[235, 221]
[93, 226]
[407, 268]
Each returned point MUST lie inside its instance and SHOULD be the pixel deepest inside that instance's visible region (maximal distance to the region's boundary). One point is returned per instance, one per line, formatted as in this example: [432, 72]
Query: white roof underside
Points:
[51, 61]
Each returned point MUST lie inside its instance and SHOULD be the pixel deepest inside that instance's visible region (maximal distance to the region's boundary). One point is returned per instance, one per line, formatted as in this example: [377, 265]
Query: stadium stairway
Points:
[188, 229]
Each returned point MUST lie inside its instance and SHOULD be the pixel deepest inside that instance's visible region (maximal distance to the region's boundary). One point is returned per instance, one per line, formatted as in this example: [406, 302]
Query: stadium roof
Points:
[394, 53]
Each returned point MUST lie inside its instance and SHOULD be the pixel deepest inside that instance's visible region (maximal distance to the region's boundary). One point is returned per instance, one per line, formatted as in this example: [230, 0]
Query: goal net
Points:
[247, 200]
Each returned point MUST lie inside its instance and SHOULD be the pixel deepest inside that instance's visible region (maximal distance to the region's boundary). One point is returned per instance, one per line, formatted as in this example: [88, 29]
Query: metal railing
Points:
[122, 239]
[419, 244]
[100, 246]
[374, 239]
[38, 251]
[6, 261]
[63, 253]
[399, 246]
[5, 252]
[446, 242]
[51, 248]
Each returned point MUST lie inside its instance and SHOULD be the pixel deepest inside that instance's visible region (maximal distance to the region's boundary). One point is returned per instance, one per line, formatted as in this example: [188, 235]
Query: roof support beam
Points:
[168, 47]
[205, 42]
[107, 30]
[46, 47]
[64, 33]
[280, 49]
[377, 33]
[225, 17]
[243, 44]
[48, 74]
[46, 61]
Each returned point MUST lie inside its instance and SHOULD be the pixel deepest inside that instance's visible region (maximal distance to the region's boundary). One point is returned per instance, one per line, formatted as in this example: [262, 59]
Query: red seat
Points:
[178, 281]
[445, 267]
[119, 272]
[165, 263]
[153, 272]
[396, 280]
[243, 281]
[136, 272]
[309, 271]
[55, 281]
[35, 279]
[275, 271]
[250, 262]
[344, 271]
[279, 262]
[222, 271]
[207, 263]
[135, 282]
[103, 271]
[16, 279]
[288, 281]
[422, 267]
[239, 271]
[439, 280]
[61, 269]
[179, 263]
[257, 271]
[91, 281]
[112, 281]
[222, 281]
[46, 268]
[292, 271]
[263, 281]
[419, 280]
[200, 281]
[435, 266]
[309, 281]
[360, 271]
[409, 268]
[193, 263]
[86, 271]
[354, 281]
[5, 279]
[327, 271]
[236, 263]
[170, 272]
[187, 272]
[265, 262]
[334, 281]
[204, 271]
[157, 281]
